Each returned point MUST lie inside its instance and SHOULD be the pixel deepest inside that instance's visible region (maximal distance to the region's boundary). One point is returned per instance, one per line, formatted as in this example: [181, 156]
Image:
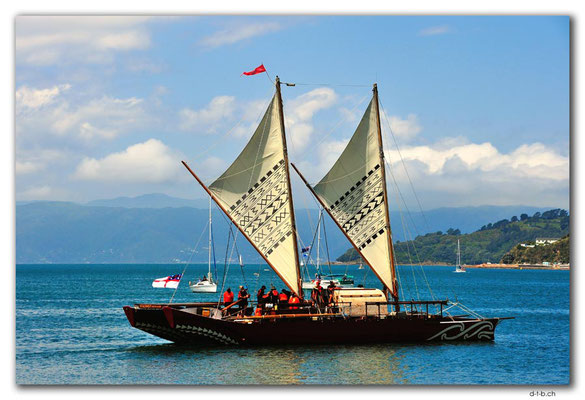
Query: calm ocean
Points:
[71, 329]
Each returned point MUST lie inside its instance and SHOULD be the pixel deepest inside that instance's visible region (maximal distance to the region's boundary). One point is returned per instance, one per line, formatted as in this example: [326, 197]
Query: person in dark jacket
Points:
[330, 291]
[243, 297]
[273, 295]
[261, 296]
[317, 294]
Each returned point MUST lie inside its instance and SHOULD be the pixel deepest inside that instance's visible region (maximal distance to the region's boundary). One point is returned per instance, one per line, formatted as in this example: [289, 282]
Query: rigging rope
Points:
[404, 164]
[188, 262]
[331, 84]
[402, 197]
[327, 248]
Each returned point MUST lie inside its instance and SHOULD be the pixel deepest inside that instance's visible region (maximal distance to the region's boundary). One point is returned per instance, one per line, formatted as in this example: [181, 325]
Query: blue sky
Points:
[108, 107]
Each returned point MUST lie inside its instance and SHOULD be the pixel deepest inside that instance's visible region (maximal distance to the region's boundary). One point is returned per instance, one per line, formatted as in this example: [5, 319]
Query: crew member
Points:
[261, 296]
[316, 294]
[228, 297]
[273, 295]
[243, 297]
[294, 301]
[282, 297]
[330, 291]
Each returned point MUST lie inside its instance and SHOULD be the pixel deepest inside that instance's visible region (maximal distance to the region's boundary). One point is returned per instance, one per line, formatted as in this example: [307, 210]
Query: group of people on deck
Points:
[320, 298]
[323, 297]
[285, 297]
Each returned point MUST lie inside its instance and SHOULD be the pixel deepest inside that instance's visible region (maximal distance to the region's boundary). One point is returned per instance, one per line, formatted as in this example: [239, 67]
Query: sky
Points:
[475, 108]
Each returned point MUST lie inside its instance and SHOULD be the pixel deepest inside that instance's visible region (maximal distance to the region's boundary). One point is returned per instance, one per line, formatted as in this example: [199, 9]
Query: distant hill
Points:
[488, 244]
[160, 228]
[558, 252]
[466, 219]
[154, 200]
[61, 232]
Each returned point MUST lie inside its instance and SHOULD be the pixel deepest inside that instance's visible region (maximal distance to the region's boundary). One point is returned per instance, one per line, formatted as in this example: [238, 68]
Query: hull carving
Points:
[482, 330]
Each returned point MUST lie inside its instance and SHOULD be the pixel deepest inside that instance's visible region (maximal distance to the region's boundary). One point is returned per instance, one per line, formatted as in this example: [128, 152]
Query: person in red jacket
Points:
[228, 297]
[294, 301]
[282, 297]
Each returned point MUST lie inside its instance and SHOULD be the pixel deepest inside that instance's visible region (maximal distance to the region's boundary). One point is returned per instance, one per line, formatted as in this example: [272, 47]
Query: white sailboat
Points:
[207, 284]
[458, 267]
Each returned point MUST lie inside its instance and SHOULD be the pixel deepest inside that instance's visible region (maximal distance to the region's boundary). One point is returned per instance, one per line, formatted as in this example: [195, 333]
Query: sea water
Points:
[71, 329]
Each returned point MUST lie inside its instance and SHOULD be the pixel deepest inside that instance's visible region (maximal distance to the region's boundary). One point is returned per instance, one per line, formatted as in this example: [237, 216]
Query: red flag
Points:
[258, 70]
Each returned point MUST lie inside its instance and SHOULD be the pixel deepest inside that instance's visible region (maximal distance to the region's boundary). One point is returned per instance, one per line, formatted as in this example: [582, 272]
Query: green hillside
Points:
[488, 244]
[554, 253]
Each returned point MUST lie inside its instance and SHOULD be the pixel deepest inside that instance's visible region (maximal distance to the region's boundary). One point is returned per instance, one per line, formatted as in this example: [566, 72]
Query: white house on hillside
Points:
[541, 241]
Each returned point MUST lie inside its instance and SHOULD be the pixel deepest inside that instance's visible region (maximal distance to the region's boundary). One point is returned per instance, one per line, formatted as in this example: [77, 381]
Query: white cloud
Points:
[527, 161]
[404, 129]
[123, 41]
[207, 119]
[105, 117]
[87, 131]
[47, 40]
[479, 174]
[148, 162]
[239, 33]
[300, 112]
[34, 98]
[37, 160]
[435, 30]
[42, 111]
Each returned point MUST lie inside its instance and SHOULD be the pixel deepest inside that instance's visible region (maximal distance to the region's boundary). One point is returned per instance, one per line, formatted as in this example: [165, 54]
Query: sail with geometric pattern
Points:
[254, 192]
[353, 192]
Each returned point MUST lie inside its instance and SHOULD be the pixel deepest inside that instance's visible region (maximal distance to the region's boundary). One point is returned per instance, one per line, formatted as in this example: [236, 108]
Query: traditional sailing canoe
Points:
[255, 194]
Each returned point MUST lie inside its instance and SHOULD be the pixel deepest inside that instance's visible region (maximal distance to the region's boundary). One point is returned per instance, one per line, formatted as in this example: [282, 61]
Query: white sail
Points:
[254, 192]
[354, 193]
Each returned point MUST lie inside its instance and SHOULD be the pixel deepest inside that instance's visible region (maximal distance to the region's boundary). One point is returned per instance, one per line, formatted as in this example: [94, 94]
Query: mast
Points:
[290, 200]
[394, 289]
[209, 245]
[458, 255]
[319, 241]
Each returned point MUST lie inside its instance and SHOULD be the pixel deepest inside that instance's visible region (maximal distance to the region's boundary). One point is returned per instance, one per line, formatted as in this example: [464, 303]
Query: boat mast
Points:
[319, 240]
[290, 199]
[209, 246]
[394, 290]
[458, 255]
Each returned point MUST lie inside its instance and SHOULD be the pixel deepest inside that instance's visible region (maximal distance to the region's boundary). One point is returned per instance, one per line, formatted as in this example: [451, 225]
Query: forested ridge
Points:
[488, 244]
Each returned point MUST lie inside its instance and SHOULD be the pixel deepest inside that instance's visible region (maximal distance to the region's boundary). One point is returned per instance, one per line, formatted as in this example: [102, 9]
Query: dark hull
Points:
[182, 326]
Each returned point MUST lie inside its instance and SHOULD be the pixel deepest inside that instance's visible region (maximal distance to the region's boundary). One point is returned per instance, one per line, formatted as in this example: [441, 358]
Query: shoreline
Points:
[563, 267]
[486, 266]
[519, 266]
